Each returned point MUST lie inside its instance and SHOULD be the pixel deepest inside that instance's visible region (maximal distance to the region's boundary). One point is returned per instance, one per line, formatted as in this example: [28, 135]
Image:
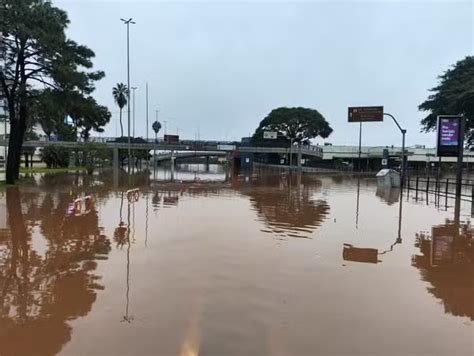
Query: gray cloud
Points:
[222, 66]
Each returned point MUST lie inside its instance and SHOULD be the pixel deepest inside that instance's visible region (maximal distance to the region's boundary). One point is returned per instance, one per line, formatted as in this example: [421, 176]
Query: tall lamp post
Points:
[128, 22]
[147, 112]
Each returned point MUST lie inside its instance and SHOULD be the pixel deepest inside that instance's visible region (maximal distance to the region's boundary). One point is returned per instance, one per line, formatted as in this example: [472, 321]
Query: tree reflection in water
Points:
[42, 290]
[286, 206]
[447, 263]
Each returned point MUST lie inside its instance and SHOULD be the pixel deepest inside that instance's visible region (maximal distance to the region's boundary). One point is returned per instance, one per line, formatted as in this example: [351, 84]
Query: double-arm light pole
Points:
[128, 22]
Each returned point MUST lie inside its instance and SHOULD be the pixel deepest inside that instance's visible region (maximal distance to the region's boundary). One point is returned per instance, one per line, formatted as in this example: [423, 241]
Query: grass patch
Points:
[52, 170]
[48, 170]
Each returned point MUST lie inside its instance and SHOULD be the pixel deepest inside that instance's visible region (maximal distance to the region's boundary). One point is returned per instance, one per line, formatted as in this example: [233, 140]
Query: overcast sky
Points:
[220, 67]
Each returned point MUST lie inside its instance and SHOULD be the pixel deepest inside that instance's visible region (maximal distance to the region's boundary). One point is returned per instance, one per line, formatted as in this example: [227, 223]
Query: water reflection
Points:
[288, 208]
[388, 195]
[177, 295]
[43, 288]
[447, 263]
[371, 255]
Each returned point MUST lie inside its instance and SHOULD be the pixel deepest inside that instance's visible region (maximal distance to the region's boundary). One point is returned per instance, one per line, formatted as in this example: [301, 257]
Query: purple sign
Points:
[450, 137]
[449, 132]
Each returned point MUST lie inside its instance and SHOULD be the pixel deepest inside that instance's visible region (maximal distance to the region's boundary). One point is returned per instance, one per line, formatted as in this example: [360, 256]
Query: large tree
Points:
[34, 49]
[452, 96]
[296, 125]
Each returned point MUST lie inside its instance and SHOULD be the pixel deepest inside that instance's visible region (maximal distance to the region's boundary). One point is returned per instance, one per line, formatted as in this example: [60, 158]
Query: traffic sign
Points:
[365, 113]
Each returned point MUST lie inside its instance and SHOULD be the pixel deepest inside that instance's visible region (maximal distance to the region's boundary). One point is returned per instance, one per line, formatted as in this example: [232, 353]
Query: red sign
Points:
[365, 113]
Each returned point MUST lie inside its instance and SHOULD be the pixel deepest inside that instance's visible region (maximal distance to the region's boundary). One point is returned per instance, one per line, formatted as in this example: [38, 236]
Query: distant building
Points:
[245, 140]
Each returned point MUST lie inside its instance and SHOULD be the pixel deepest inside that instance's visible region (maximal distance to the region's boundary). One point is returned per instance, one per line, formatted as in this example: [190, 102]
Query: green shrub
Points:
[92, 154]
[55, 156]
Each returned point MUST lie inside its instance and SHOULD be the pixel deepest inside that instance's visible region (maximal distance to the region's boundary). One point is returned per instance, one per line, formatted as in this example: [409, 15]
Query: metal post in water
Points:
[446, 194]
[472, 200]
[360, 145]
[416, 187]
[460, 158]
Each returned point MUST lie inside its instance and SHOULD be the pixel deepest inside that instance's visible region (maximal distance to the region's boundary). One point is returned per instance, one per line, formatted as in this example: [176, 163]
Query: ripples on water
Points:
[244, 265]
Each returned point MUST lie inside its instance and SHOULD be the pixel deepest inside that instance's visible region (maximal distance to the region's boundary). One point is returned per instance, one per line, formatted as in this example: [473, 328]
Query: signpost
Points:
[171, 139]
[362, 114]
[450, 142]
[449, 136]
[375, 113]
[365, 113]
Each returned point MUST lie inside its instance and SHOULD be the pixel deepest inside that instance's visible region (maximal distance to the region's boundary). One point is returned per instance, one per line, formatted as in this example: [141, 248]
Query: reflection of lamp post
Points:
[126, 317]
[370, 255]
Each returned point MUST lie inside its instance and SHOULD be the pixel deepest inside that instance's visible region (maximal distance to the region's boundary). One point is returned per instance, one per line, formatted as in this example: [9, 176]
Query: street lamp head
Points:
[127, 21]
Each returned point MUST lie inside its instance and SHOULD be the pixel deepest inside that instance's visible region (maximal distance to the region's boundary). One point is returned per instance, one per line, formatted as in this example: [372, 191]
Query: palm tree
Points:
[120, 93]
[156, 127]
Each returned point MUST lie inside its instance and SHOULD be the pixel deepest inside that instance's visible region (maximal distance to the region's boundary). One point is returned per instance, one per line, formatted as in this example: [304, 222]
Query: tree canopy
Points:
[452, 96]
[298, 125]
[36, 51]
[156, 126]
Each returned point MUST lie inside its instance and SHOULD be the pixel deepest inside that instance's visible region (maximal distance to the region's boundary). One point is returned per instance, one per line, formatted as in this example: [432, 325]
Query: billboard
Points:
[449, 138]
[270, 135]
[172, 139]
[365, 114]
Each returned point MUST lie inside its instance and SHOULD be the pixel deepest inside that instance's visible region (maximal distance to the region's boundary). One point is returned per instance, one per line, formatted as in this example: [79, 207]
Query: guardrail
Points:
[440, 187]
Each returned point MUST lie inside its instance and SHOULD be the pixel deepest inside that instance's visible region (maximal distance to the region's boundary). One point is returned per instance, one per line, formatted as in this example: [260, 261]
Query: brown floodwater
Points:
[243, 265]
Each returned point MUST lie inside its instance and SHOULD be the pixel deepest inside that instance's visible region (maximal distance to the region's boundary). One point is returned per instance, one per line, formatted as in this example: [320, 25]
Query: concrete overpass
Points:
[327, 153]
[414, 154]
[188, 154]
[313, 151]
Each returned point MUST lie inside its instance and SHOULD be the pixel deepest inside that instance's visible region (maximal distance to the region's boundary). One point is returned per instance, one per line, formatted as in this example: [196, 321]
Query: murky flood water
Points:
[257, 265]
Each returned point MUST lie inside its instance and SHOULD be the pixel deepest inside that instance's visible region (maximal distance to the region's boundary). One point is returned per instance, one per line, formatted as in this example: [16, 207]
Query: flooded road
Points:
[256, 265]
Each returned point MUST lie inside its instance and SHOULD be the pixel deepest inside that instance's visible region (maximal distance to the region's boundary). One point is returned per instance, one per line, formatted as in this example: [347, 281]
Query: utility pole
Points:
[134, 88]
[164, 123]
[146, 111]
[154, 146]
[360, 146]
[128, 22]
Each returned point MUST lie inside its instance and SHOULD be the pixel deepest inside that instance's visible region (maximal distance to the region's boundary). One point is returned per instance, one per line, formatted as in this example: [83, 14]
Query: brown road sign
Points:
[365, 113]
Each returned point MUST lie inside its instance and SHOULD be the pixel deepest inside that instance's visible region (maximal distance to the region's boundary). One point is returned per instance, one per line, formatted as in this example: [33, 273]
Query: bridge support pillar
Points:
[115, 158]
[300, 157]
[173, 159]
